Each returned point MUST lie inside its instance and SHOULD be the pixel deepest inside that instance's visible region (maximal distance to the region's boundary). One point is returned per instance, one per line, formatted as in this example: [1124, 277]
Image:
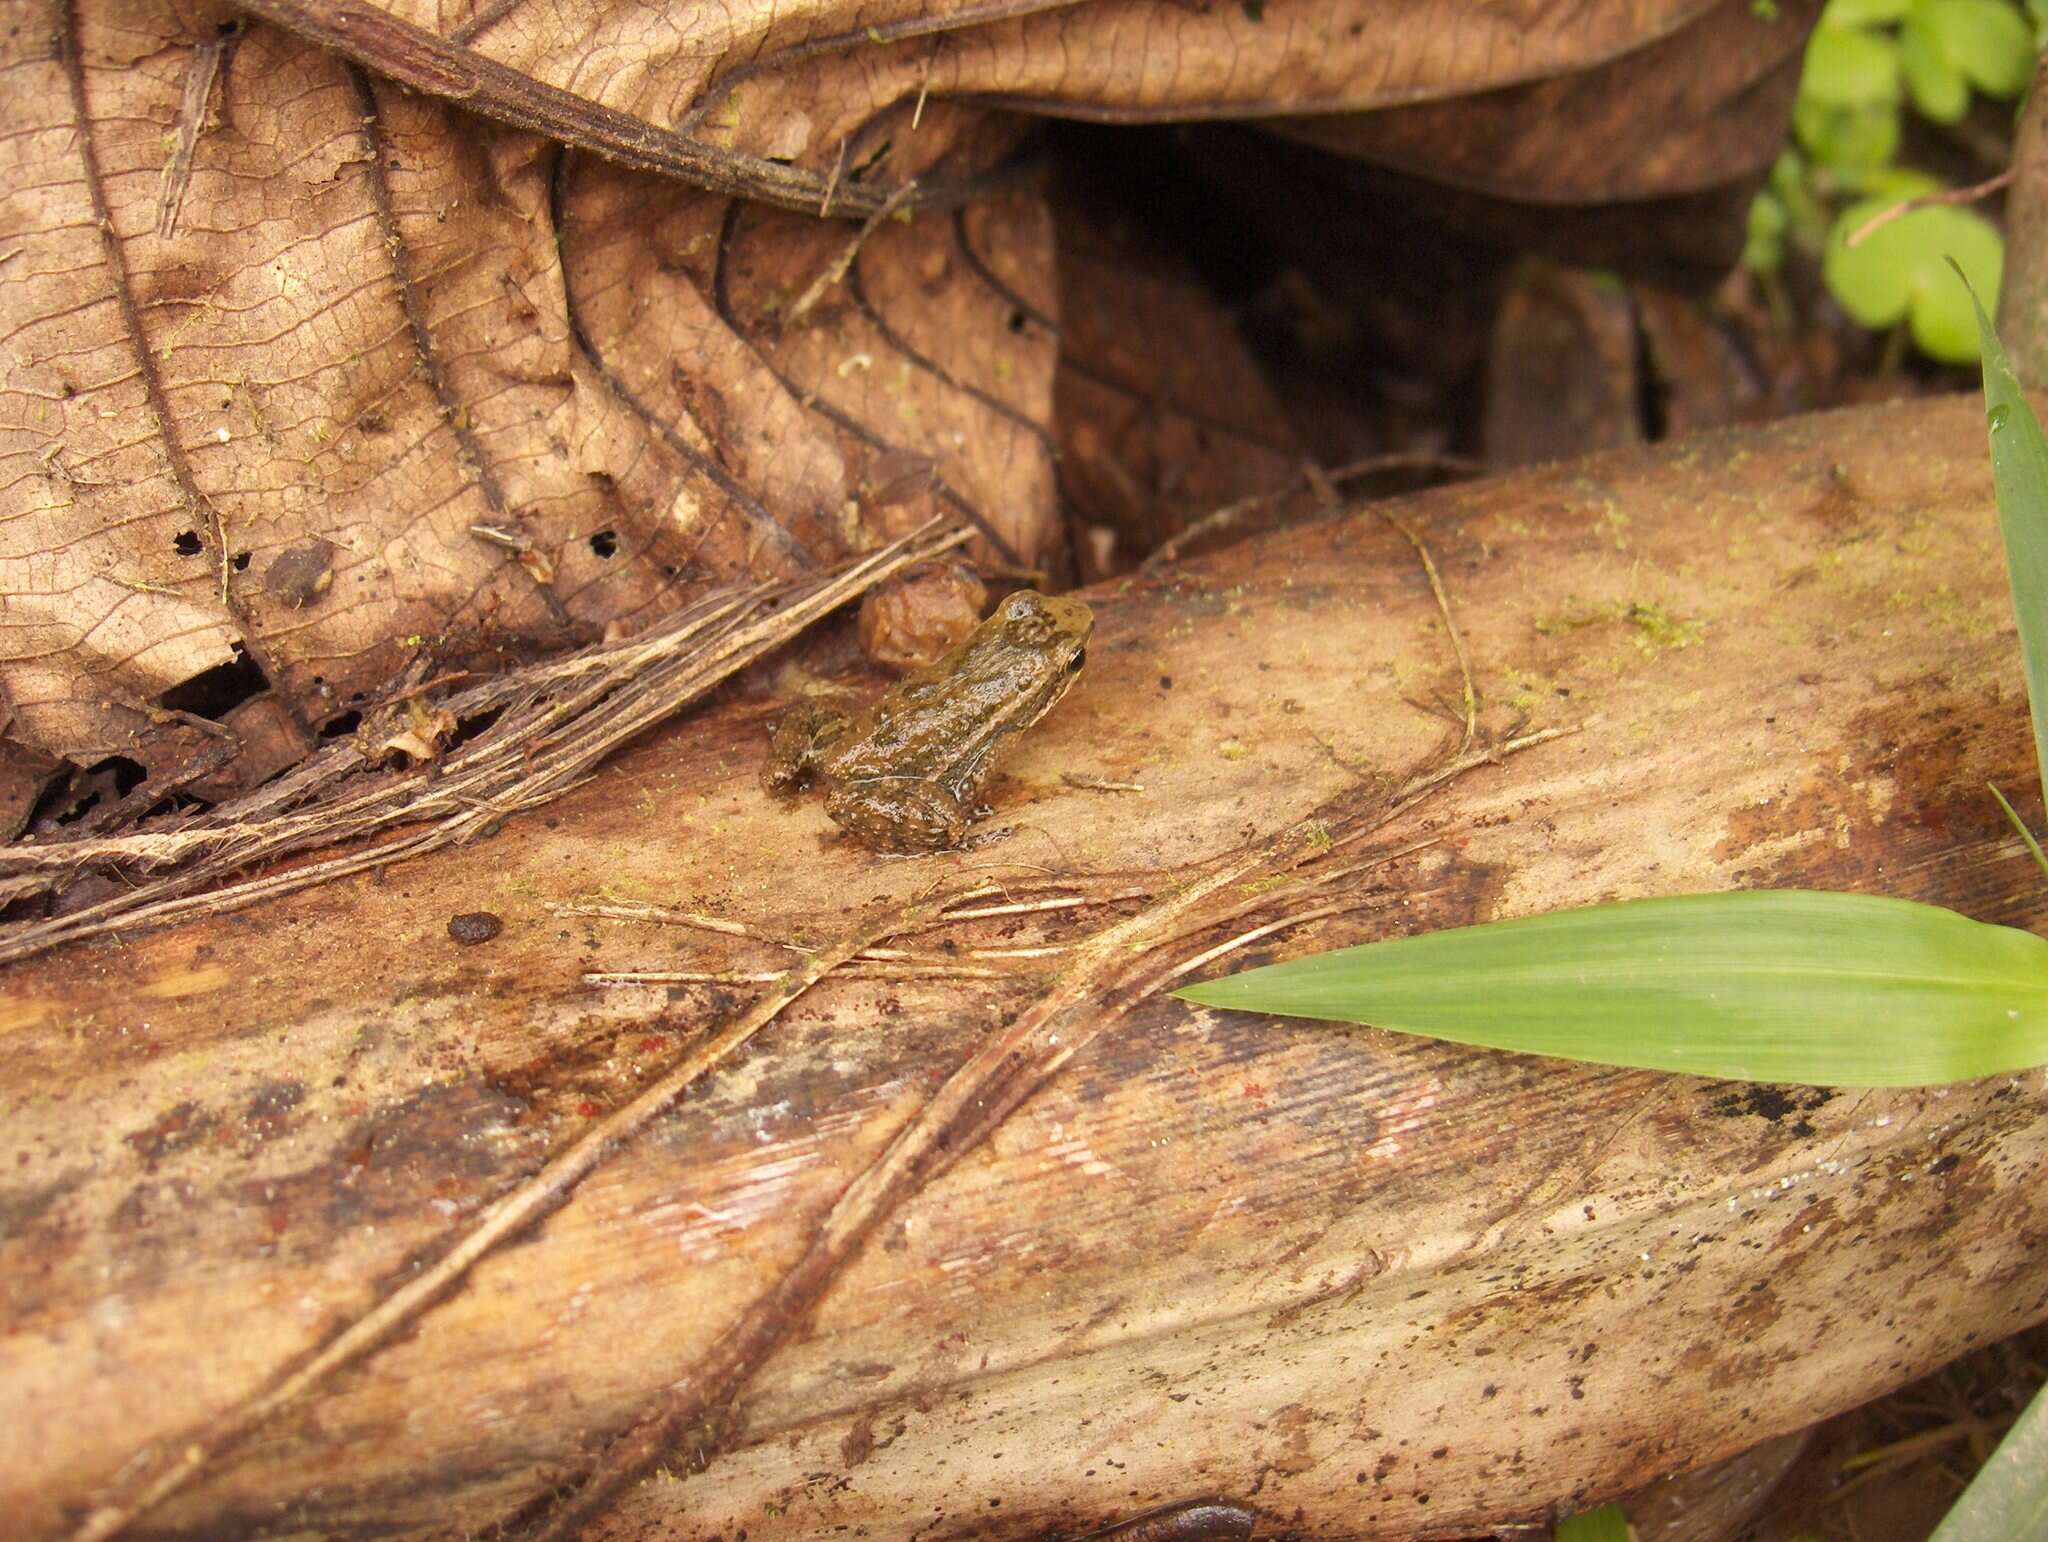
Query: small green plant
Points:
[1867, 63]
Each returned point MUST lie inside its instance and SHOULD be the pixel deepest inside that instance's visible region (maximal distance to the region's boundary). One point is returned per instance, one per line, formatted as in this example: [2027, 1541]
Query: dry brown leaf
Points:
[398, 380]
[1697, 106]
[838, 85]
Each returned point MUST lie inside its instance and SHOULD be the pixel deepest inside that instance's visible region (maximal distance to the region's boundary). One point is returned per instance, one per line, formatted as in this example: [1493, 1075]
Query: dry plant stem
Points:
[527, 1204]
[1170, 549]
[663, 916]
[857, 970]
[200, 76]
[1971, 194]
[543, 744]
[1443, 605]
[1108, 972]
[836, 269]
[394, 48]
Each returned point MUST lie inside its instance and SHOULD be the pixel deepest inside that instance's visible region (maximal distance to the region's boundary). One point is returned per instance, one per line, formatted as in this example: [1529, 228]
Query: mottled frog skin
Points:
[903, 774]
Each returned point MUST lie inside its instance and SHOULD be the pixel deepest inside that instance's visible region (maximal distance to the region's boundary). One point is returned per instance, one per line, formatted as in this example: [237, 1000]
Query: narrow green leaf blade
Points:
[2009, 1496]
[1781, 986]
[2019, 473]
[1609, 1523]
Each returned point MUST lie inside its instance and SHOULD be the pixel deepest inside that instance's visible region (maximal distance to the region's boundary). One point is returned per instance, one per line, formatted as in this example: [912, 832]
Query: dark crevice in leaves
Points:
[214, 693]
[841, 42]
[1089, 371]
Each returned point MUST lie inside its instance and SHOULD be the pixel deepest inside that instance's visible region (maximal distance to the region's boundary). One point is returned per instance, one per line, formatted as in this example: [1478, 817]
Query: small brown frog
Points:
[902, 774]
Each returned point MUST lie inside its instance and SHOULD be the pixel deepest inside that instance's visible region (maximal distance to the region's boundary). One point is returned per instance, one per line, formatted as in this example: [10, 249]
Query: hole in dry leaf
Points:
[186, 543]
[127, 774]
[214, 693]
[470, 727]
[344, 723]
[1017, 321]
[605, 543]
[240, 560]
[117, 774]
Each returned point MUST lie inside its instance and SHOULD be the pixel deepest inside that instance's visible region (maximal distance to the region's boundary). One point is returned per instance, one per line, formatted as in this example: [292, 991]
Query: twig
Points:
[1970, 194]
[835, 270]
[1313, 478]
[1443, 605]
[664, 916]
[200, 76]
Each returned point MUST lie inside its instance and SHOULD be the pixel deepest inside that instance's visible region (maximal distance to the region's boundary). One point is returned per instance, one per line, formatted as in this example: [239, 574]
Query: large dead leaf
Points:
[378, 379]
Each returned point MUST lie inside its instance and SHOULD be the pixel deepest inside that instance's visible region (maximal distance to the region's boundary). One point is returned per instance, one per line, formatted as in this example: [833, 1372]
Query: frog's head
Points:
[1053, 629]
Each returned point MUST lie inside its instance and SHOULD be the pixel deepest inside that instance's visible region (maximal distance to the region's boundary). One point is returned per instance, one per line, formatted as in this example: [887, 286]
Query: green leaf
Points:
[1778, 986]
[2020, 829]
[1937, 86]
[2009, 1496]
[1847, 140]
[1900, 272]
[1609, 1523]
[2019, 475]
[1848, 67]
[1863, 13]
[1987, 40]
[1763, 249]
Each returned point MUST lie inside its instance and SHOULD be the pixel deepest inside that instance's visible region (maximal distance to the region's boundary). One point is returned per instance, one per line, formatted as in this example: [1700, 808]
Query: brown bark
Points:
[1362, 1285]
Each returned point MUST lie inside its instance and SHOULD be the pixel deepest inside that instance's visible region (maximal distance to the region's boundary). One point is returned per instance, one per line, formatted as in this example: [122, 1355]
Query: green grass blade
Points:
[2009, 1496]
[1781, 986]
[2019, 473]
[2012, 818]
[1609, 1523]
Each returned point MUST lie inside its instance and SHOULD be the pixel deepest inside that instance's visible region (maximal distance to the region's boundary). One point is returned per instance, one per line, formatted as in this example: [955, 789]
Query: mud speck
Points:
[475, 926]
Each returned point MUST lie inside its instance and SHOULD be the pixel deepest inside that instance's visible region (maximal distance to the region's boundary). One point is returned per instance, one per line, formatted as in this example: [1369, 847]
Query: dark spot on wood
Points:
[172, 1132]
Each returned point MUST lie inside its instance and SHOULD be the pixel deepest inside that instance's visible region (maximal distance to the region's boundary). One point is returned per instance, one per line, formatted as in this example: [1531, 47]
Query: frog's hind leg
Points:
[899, 813]
[800, 738]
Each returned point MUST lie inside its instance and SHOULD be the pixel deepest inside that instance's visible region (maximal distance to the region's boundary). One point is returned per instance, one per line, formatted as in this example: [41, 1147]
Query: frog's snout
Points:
[1071, 617]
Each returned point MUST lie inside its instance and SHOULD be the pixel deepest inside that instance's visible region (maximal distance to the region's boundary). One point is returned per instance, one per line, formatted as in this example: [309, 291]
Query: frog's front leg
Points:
[899, 813]
[800, 738]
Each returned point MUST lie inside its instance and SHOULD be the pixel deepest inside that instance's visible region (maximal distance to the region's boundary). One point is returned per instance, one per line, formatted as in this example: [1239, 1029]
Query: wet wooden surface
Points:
[1356, 1284]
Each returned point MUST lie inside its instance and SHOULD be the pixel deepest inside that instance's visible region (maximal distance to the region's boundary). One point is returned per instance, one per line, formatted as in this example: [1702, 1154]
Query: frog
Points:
[904, 774]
